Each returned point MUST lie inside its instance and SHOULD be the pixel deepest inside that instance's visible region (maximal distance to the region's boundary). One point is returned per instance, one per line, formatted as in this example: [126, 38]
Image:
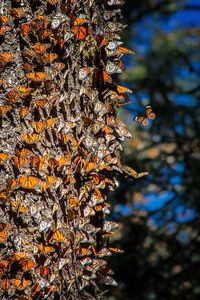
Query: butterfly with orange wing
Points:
[143, 119]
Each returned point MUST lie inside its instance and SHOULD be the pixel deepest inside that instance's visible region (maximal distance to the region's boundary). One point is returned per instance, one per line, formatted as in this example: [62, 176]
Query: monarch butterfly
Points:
[29, 182]
[103, 207]
[25, 29]
[142, 119]
[112, 68]
[24, 91]
[109, 14]
[125, 50]
[3, 236]
[28, 67]
[4, 109]
[30, 138]
[43, 34]
[103, 252]
[11, 184]
[27, 264]
[57, 236]
[122, 89]
[70, 179]
[97, 178]
[35, 289]
[39, 126]
[20, 162]
[5, 284]
[63, 160]
[84, 252]
[20, 209]
[59, 66]
[44, 271]
[45, 249]
[79, 21]
[2, 30]
[19, 255]
[40, 48]
[21, 284]
[3, 266]
[4, 19]
[107, 270]
[107, 130]
[149, 114]
[114, 96]
[23, 111]
[116, 250]
[128, 170]
[5, 57]
[3, 196]
[51, 289]
[73, 202]
[18, 12]
[4, 157]
[98, 193]
[60, 42]
[28, 53]
[65, 138]
[52, 163]
[101, 41]
[122, 130]
[40, 22]
[109, 226]
[49, 57]
[109, 281]
[41, 163]
[80, 32]
[90, 166]
[113, 27]
[40, 103]
[85, 261]
[97, 264]
[4, 226]
[37, 76]
[84, 72]
[113, 52]
[49, 182]
[50, 122]
[106, 77]
[23, 152]
[13, 96]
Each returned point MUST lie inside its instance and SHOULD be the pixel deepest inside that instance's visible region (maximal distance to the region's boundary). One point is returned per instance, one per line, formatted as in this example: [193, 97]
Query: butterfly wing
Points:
[80, 32]
[131, 172]
[150, 113]
[142, 119]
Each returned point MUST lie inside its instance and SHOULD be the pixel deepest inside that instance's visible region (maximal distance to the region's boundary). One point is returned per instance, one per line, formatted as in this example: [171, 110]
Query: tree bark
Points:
[60, 146]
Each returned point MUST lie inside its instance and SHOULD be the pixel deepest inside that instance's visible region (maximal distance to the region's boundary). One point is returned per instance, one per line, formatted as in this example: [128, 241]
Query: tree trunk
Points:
[60, 146]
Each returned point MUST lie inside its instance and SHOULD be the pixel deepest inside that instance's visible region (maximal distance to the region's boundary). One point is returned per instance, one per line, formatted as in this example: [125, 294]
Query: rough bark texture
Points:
[60, 146]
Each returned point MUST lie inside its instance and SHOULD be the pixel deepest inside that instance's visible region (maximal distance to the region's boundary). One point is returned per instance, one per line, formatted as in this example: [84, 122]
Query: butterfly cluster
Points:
[60, 146]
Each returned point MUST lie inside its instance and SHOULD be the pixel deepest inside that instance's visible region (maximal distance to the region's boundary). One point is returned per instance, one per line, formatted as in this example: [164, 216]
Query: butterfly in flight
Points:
[131, 172]
[143, 119]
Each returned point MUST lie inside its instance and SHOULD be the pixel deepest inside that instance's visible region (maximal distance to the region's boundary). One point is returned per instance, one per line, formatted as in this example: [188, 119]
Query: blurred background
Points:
[159, 214]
